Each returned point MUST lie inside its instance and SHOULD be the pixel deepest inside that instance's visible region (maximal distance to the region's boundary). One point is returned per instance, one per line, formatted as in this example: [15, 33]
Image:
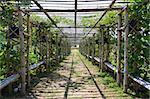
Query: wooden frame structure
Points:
[25, 39]
[65, 50]
[103, 62]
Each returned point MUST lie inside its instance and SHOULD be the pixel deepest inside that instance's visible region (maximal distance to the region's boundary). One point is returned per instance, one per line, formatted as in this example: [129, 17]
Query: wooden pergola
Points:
[120, 28]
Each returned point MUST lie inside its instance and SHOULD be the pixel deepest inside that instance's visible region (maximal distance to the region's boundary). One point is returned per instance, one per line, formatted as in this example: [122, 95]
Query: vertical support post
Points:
[102, 49]
[75, 19]
[119, 77]
[9, 45]
[107, 45]
[88, 43]
[62, 49]
[84, 43]
[56, 49]
[47, 54]
[125, 82]
[85, 47]
[28, 50]
[50, 49]
[22, 54]
[40, 50]
[40, 57]
[66, 51]
[93, 51]
[99, 47]
[66, 47]
[94, 48]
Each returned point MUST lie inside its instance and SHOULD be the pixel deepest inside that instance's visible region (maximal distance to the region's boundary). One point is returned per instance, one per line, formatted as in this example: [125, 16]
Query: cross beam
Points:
[73, 10]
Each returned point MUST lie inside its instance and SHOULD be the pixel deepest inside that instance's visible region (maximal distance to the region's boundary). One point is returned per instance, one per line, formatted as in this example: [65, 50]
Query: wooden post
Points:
[85, 47]
[40, 57]
[47, 55]
[107, 45]
[102, 49]
[85, 51]
[41, 50]
[28, 50]
[66, 50]
[50, 49]
[57, 61]
[99, 47]
[125, 82]
[88, 43]
[62, 49]
[9, 45]
[119, 51]
[93, 47]
[22, 54]
[66, 47]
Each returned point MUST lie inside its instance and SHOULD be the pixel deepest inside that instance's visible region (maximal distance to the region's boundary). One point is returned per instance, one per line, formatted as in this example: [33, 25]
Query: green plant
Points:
[102, 74]
[107, 80]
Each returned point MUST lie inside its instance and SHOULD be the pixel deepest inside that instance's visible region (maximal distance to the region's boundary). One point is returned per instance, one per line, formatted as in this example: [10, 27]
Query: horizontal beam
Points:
[85, 26]
[72, 10]
[73, 37]
[74, 27]
[14, 77]
[138, 80]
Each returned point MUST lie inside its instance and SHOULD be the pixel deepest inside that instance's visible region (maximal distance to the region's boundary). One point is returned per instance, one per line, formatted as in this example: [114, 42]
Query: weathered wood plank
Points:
[141, 81]
[8, 80]
[110, 66]
[36, 65]
[97, 59]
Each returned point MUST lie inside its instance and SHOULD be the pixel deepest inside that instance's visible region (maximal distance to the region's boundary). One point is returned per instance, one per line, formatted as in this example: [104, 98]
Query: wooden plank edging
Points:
[14, 77]
[139, 80]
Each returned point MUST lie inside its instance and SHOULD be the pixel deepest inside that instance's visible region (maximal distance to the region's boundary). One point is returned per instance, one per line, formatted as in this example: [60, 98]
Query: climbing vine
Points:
[138, 38]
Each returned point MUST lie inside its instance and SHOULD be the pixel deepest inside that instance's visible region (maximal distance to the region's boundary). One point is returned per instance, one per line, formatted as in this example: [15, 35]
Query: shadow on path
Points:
[69, 80]
[93, 79]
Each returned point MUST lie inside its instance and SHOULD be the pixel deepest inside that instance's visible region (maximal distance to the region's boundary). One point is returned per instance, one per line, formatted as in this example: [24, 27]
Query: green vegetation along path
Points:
[77, 78]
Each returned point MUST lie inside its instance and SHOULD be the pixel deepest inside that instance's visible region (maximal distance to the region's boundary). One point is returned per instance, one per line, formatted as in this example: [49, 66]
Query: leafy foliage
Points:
[40, 27]
[139, 46]
[139, 40]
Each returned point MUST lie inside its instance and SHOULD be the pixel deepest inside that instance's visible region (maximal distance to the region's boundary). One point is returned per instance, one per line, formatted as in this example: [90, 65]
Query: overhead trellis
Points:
[77, 33]
[66, 9]
[77, 6]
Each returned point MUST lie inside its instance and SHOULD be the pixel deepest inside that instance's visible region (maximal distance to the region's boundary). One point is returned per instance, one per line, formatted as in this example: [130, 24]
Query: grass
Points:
[104, 77]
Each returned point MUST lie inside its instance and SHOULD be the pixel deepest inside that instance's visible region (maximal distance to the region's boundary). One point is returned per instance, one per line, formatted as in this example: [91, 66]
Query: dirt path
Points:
[73, 80]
